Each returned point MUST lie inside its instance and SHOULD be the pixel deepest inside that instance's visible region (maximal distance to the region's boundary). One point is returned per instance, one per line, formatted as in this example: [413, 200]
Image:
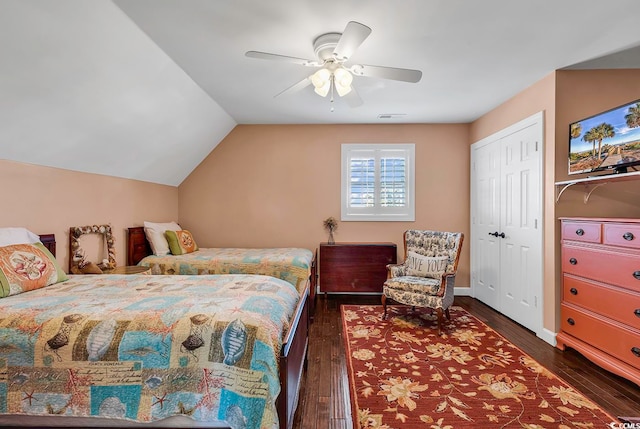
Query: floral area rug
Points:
[403, 375]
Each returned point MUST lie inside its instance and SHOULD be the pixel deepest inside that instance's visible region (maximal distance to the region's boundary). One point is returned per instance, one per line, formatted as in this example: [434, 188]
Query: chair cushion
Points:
[419, 285]
[415, 299]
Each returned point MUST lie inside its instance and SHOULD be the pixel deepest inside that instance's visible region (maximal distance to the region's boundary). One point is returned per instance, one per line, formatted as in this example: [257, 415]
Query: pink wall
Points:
[273, 185]
[538, 97]
[566, 96]
[50, 200]
[583, 93]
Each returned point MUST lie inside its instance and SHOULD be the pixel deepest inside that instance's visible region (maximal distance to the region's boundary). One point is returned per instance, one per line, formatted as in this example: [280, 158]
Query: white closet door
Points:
[506, 210]
[486, 242]
[520, 249]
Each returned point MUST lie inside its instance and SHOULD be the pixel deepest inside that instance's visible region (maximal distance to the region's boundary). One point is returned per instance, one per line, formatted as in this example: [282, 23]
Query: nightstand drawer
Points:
[621, 234]
[617, 304]
[582, 231]
[613, 338]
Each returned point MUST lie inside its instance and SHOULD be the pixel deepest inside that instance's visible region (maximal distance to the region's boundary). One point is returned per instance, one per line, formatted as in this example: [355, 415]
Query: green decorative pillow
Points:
[426, 266]
[181, 242]
[25, 267]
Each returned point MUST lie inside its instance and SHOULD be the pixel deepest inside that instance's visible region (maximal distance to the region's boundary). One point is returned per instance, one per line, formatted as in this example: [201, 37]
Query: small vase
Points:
[331, 240]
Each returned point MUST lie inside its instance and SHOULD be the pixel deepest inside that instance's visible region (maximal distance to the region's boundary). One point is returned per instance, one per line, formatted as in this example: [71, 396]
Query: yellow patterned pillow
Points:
[25, 267]
[181, 242]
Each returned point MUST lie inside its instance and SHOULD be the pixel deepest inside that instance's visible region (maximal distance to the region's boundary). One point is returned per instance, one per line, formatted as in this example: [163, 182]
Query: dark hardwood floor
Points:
[324, 399]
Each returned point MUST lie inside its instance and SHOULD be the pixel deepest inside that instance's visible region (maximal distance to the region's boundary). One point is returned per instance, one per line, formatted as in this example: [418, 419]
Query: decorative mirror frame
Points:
[76, 232]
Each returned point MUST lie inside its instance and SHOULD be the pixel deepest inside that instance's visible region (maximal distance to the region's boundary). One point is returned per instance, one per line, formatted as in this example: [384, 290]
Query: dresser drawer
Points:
[610, 337]
[604, 265]
[590, 232]
[617, 304]
[622, 234]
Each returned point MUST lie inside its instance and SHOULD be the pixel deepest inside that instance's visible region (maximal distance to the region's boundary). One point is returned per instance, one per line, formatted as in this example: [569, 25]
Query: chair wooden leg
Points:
[440, 317]
[446, 312]
[384, 306]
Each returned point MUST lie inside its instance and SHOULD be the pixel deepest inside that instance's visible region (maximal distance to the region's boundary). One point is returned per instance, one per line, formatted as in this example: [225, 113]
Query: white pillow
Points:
[155, 235]
[17, 235]
[426, 266]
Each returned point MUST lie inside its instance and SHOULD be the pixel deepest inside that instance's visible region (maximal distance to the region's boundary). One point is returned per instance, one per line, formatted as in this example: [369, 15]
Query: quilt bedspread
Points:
[147, 347]
[286, 263]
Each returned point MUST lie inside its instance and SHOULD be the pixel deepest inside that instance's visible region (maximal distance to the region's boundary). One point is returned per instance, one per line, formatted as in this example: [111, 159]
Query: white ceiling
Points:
[145, 89]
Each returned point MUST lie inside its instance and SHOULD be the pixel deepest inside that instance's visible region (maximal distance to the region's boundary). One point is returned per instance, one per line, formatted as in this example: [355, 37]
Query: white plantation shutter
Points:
[377, 182]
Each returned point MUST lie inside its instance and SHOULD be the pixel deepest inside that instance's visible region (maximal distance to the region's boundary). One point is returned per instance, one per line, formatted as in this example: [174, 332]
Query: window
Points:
[378, 182]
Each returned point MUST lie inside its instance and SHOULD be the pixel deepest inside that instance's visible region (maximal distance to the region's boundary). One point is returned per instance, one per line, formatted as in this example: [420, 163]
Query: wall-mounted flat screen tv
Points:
[608, 141]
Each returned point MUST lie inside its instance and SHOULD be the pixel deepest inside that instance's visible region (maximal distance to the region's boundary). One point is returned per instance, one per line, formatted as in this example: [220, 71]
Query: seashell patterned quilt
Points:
[144, 348]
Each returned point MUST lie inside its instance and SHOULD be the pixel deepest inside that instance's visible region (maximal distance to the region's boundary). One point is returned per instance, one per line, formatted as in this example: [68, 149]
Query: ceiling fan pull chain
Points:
[332, 85]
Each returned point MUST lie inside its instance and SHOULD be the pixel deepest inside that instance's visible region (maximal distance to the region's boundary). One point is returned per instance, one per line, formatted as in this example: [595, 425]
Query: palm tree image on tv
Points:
[617, 135]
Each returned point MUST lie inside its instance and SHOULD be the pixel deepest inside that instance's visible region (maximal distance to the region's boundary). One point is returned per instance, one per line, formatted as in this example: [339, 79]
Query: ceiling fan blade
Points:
[353, 98]
[352, 37]
[405, 75]
[284, 58]
[295, 87]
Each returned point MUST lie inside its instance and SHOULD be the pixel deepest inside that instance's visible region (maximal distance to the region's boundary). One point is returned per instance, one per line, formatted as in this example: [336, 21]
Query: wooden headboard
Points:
[49, 241]
[137, 245]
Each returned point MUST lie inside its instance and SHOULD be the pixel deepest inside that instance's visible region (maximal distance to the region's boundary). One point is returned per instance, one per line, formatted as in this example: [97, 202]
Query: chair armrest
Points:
[447, 286]
[396, 270]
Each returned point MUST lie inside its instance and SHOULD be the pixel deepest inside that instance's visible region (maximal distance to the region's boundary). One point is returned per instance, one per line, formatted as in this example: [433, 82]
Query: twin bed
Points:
[201, 350]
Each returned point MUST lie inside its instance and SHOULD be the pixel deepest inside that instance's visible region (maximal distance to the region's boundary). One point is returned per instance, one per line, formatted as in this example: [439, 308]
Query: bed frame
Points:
[293, 355]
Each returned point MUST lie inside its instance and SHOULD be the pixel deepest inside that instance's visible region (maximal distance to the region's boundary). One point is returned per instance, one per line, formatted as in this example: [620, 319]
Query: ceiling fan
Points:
[333, 50]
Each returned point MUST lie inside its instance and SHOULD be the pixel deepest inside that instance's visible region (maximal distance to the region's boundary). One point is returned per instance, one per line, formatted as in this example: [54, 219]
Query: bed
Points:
[178, 351]
[294, 265]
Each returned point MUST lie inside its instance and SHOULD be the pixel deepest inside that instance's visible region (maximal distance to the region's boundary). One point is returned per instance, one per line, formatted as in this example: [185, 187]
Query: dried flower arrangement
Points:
[331, 225]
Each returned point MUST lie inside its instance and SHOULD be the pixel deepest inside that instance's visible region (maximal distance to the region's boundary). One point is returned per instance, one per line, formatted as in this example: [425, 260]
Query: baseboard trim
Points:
[548, 336]
[462, 291]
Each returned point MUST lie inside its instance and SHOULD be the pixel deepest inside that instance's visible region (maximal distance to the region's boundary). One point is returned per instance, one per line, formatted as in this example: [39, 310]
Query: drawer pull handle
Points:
[573, 291]
[635, 351]
[637, 312]
[636, 274]
[570, 321]
[580, 232]
[574, 261]
[628, 236]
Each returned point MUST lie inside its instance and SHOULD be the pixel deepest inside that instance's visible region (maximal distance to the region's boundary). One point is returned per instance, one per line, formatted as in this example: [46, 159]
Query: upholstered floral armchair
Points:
[427, 276]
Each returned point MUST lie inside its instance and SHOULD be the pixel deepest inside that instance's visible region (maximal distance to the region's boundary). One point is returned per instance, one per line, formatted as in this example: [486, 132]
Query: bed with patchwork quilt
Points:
[145, 348]
[223, 350]
[292, 264]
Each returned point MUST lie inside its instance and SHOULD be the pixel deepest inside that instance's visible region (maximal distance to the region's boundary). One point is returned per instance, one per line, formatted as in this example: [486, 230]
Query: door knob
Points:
[502, 235]
[495, 234]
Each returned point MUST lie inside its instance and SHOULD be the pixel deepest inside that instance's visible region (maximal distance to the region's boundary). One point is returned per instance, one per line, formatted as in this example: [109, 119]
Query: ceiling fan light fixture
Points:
[323, 90]
[321, 80]
[342, 80]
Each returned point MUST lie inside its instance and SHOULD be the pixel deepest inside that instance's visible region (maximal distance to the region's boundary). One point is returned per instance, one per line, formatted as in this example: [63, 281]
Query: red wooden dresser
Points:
[600, 310]
[355, 267]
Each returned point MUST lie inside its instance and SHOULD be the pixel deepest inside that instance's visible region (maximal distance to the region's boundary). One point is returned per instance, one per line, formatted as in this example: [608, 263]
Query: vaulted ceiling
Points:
[145, 89]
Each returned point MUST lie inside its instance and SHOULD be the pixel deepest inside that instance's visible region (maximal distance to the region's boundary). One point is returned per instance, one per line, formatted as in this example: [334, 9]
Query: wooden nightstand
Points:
[129, 269]
[355, 267]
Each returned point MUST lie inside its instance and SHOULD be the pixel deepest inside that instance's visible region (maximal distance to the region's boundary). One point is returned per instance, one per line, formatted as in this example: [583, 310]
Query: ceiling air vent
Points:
[391, 115]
